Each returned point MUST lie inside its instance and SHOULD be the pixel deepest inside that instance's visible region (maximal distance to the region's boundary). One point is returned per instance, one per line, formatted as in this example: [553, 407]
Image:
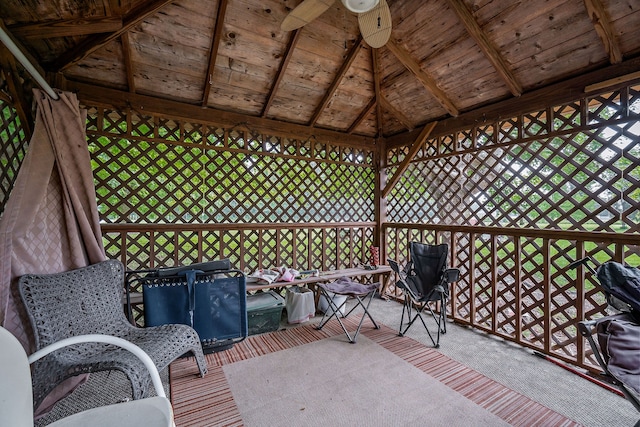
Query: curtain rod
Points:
[15, 50]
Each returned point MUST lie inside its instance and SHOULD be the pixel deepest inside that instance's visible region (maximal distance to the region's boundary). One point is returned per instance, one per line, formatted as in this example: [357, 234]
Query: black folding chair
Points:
[425, 280]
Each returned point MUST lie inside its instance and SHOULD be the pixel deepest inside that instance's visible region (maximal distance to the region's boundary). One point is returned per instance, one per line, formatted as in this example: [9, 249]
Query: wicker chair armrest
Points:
[107, 339]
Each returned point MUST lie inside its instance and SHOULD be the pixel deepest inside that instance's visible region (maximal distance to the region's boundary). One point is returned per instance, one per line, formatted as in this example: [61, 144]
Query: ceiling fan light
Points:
[360, 6]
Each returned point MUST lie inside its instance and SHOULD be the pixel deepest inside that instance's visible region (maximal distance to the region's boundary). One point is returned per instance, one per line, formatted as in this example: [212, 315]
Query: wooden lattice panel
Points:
[154, 169]
[12, 151]
[573, 166]
[506, 295]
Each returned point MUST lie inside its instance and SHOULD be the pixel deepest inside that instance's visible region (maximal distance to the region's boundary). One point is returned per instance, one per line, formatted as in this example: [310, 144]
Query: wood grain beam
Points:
[611, 77]
[67, 28]
[414, 67]
[375, 64]
[602, 23]
[485, 45]
[181, 111]
[415, 147]
[396, 113]
[213, 51]
[95, 42]
[363, 115]
[288, 53]
[128, 63]
[351, 56]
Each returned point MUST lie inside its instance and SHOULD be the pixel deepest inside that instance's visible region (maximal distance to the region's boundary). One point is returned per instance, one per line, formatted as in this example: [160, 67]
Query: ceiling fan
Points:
[374, 17]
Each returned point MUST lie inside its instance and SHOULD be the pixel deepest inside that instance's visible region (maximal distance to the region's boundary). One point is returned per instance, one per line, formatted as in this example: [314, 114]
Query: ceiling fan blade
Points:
[375, 25]
[304, 13]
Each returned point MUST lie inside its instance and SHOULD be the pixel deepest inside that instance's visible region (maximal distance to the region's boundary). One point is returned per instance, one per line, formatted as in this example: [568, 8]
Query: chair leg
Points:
[405, 308]
[417, 316]
[336, 310]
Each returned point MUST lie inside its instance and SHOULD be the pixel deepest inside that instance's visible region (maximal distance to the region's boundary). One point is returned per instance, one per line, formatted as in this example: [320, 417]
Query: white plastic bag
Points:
[300, 304]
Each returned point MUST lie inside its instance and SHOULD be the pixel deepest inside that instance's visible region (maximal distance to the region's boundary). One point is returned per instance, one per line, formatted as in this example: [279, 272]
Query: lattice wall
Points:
[574, 166]
[518, 284]
[13, 146]
[151, 169]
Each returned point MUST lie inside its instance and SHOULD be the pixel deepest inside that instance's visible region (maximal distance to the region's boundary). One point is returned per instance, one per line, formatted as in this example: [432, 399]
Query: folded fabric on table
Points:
[346, 286]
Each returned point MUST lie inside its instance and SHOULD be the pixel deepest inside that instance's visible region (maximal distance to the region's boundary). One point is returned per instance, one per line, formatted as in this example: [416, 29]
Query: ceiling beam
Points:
[363, 115]
[490, 52]
[607, 78]
[95, 42]
[375, 65]
[181, 111]
[213, 51]
[351, 56]
[396, 113]
[128, 63]
[414, 67]
[67, 28]
[602, 23]
[415, 147]
[288, 53]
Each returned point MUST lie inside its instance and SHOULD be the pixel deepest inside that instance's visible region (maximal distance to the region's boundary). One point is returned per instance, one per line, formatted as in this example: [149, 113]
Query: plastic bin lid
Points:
[264, 300]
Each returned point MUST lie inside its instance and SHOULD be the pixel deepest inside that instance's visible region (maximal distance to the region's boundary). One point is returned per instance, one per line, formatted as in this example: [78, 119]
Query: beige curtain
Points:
[50, 223]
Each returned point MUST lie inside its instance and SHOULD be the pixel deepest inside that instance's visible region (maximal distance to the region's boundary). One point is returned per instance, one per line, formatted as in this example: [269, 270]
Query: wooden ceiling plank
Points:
[415, 147]
[485, 45]
[95, 42]
[602, 24]
[177, 110]
[213, 51]
[128, 63]
[397, 113]
[375, 63]
[413, 66]
[67, 28]
[363, 115]
[288, 53]
[556, 94]
[351, 56]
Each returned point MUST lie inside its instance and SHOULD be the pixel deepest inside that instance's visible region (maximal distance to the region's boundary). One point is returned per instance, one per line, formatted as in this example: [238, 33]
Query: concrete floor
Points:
[519, 369]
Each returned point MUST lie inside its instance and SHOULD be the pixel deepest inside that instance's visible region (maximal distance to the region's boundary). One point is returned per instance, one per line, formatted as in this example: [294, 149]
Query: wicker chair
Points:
[89, 301]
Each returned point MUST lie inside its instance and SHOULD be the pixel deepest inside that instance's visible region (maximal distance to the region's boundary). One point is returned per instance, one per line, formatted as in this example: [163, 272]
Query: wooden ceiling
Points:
[444, 58]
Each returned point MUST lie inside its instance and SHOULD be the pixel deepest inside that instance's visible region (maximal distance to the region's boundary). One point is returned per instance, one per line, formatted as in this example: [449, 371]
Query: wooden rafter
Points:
[67, 28]
[181, 111]
[415, 147]
[602, 24]
[412, 65]
[293, 40]
[406, 122]
[351, 56]
[486, 46]
[128, 63]
[213, 51]
[363, 115]
[375, 64]
[95, 42]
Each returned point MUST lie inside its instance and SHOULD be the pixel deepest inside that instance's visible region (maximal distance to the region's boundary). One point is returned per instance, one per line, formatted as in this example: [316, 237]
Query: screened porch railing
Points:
[516, 283]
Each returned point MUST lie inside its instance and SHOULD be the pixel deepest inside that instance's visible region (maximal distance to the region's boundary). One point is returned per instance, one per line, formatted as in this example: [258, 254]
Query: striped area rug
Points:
[209, 401]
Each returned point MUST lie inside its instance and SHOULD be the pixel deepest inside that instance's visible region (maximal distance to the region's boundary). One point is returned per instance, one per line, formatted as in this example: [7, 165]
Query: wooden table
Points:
[325, 276]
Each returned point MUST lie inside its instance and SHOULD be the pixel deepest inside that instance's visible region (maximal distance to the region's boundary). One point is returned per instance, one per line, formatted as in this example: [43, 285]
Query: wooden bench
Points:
[325, 276]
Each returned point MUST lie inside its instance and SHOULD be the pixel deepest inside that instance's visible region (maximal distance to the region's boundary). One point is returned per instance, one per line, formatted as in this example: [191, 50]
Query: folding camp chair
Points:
[424, 280]
[616, 348]
[362, 294]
